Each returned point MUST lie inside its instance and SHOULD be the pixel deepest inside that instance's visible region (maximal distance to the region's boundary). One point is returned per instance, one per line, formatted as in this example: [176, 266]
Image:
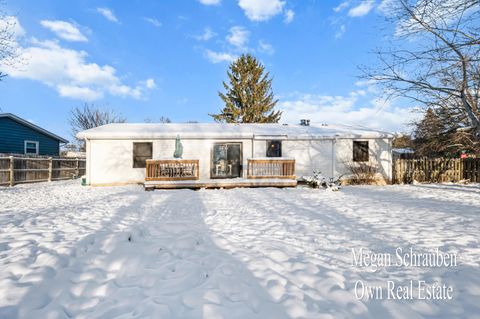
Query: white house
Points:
[125, 153]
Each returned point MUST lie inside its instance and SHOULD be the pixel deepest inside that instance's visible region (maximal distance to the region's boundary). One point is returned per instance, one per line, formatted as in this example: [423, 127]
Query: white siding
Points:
[111, 161]
[380, 155]
[309, 155]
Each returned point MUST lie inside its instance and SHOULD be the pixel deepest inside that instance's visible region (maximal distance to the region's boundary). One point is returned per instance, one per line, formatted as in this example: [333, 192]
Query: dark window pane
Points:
[141, 152]
[360, 151]
[274, 148]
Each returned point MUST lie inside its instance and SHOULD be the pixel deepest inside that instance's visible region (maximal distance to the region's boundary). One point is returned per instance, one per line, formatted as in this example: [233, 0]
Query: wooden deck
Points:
[180, 173]
[221, 183]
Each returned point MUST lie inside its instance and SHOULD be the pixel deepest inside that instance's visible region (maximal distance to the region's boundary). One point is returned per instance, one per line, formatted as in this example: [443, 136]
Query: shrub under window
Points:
[274, 148]
[141, 152]
[360, 151]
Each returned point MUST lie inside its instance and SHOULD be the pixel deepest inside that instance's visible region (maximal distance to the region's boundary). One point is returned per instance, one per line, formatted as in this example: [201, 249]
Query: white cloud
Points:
[108, 14]
[362, 9]
[218, 57]
[64, 30]
[385, 7]
[153, 21]
[12, 24]
[210, 2]
[77, 92]
[289, 15]
[262, 10]
[354, 108]
[206, 35]
[150, 84]
[69, 72]
[238, 37]
[340, 32]
[265, 47]
[342, 6]
[126, 91]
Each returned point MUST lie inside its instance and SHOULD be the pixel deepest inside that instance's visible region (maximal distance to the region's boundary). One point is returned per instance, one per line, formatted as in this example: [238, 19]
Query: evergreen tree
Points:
[402, 141]
[248, 97]
[443, 133]
[430, 135]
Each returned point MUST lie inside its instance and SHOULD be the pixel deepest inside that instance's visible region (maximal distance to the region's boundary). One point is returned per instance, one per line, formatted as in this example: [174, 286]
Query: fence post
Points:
[50, 169]
[12, 176]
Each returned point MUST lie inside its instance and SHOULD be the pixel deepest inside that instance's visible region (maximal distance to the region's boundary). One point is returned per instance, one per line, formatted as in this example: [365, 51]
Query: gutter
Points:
[233, 137]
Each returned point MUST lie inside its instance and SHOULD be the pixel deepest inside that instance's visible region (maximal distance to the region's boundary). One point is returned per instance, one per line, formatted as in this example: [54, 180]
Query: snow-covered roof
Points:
[403, 150]
[221, 130]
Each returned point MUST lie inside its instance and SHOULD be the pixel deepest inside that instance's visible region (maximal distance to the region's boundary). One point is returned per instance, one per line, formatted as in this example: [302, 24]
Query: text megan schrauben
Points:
[403, 258]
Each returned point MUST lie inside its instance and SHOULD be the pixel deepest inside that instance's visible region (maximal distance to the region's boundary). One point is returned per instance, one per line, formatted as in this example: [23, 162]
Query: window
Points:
[360, 151]
[31, 147]
[141, 152]
[274, 148]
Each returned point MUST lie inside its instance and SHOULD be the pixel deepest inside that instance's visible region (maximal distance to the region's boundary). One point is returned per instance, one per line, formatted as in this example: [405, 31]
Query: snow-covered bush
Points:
[317, 180]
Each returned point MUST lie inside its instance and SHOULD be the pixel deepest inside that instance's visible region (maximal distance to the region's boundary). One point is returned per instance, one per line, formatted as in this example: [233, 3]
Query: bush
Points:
[363, 173]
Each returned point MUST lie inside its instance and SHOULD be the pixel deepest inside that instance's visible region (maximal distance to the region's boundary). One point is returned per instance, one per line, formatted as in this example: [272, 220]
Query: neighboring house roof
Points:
[220, 130]
[403, 150]
[32, 126]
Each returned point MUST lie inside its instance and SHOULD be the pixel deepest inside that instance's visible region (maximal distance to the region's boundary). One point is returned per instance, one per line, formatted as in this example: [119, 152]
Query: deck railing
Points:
[271, 168]
[172, 170]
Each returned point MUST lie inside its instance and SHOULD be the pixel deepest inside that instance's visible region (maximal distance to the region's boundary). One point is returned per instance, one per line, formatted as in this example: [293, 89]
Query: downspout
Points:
[252, 155]
[390, 160]
[253, 146]
[88, 164]
[334, 157]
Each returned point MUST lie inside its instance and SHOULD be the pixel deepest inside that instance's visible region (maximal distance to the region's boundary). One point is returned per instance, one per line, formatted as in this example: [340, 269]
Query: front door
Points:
[226, 160]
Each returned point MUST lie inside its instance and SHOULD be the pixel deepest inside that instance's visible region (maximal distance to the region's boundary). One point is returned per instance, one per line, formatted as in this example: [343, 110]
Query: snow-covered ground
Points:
[72, 251]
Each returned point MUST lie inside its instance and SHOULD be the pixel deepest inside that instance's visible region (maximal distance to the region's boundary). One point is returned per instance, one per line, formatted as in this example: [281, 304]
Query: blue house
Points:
[18, 136]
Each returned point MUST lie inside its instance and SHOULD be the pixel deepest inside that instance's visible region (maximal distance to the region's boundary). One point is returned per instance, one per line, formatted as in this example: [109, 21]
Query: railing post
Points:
[12, 181]
[50, 168]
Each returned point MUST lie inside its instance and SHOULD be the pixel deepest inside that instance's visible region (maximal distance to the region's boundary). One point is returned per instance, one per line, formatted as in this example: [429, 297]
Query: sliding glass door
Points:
[226, 160]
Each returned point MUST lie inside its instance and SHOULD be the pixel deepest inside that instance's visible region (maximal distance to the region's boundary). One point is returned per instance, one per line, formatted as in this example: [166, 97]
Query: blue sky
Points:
[147, 59]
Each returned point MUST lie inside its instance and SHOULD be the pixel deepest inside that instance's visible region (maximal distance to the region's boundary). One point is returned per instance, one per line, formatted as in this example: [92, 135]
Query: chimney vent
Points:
[305, 122]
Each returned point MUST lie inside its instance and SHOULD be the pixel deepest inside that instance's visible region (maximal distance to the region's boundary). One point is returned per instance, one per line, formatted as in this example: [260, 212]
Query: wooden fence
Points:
[15, 170]
[436, 170]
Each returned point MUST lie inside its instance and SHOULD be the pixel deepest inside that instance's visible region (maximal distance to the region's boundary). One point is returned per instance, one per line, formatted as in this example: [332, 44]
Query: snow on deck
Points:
[120, 252]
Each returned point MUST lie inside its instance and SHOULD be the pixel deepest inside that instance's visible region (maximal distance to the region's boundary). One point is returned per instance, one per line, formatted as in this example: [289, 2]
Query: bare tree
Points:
[162, 119]
[435, 58]
[8, 44]
[87, 117]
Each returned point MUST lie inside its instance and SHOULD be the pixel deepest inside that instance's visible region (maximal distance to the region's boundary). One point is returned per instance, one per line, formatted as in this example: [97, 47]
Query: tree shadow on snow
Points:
[153, 258]
[339, 229]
